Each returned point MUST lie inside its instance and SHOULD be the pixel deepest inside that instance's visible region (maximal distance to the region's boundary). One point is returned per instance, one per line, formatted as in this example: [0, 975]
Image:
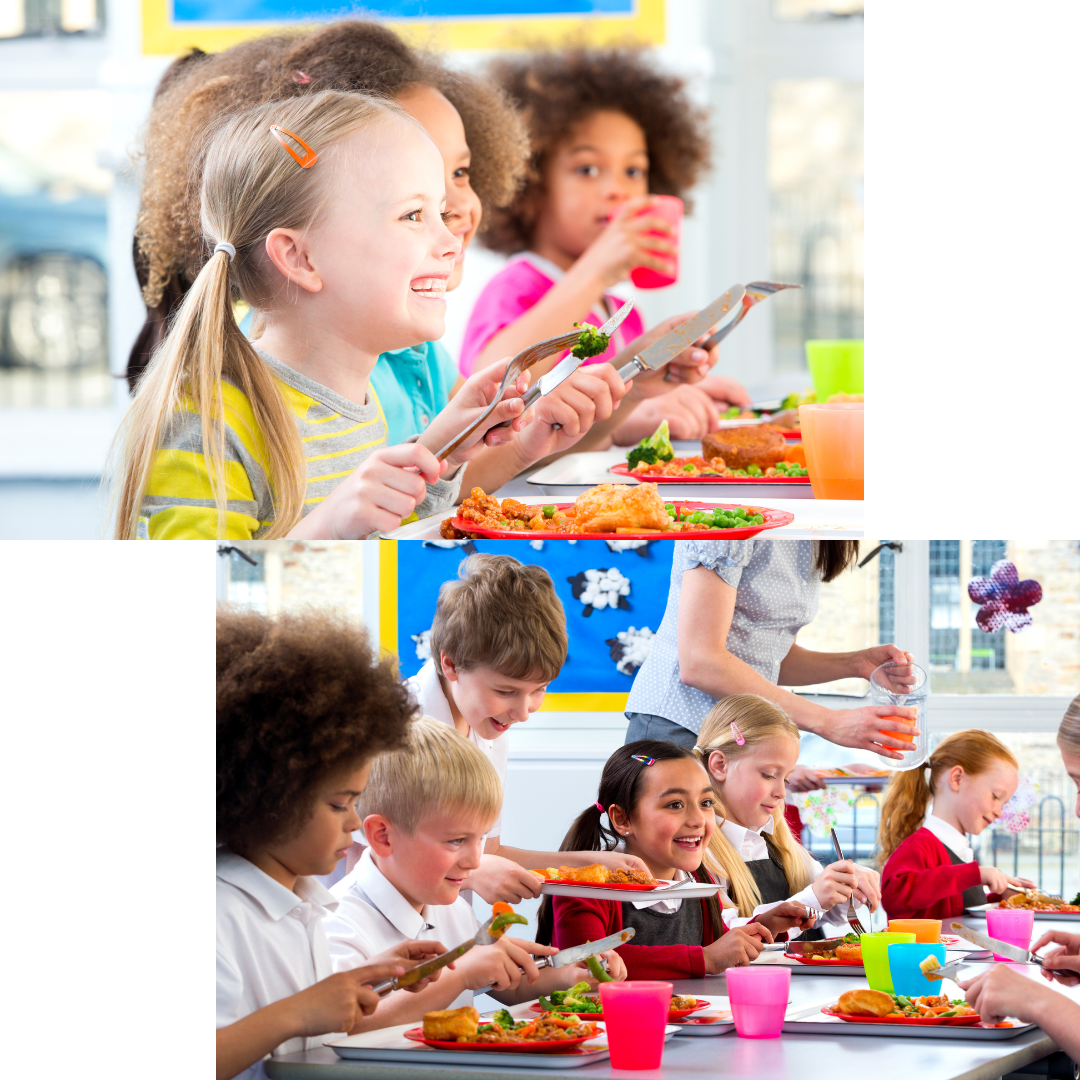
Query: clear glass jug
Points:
[907, 685]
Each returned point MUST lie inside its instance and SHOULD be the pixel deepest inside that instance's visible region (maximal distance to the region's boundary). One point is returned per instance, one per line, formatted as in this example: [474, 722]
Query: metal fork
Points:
[853, 919]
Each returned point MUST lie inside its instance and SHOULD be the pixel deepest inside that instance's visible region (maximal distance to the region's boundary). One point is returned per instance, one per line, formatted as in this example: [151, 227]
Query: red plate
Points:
[673, 1016]
[623, 470]
[918, 1021]
[791, 436]
[774, 519]
[823, 963]
[416, 1034]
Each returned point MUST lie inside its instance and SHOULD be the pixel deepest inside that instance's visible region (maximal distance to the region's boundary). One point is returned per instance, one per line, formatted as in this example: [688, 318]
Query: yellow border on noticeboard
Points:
[162, 37]
[388, 637]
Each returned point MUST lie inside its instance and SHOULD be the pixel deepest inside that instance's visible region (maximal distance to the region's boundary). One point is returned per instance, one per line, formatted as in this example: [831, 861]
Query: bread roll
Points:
[452, 1025]
[865, 1003]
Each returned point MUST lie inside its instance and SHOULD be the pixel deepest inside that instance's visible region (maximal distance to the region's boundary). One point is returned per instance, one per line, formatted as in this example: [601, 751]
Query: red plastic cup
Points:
[671, 210]
[759, 998]
[635, 1015]
[1014, 926]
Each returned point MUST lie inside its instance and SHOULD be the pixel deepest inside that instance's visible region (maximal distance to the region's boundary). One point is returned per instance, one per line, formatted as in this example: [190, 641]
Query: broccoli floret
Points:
[646, 455]
[590, 343]
[504, 1019]
[661, 439]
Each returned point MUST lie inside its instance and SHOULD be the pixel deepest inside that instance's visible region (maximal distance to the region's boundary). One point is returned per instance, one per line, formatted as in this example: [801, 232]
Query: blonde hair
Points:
[909, 793]
[1068, 736]
[757, 720]
[437, 770]
[249, 186]
[503, 615]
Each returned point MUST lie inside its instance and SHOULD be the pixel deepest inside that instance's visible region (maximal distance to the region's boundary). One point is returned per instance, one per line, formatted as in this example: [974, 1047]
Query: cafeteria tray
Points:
[697, 889]
[826, 1025]
[830, 781]
[1049, 916]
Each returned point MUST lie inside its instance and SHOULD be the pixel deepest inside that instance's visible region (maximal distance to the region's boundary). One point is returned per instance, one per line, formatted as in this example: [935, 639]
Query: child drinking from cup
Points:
[609, 134]
[929, 869]
[750, 747]
[290, 765]
[659, 804]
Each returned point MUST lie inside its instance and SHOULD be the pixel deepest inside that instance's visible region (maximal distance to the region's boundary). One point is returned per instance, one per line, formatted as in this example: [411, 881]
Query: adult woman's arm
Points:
[706, 607]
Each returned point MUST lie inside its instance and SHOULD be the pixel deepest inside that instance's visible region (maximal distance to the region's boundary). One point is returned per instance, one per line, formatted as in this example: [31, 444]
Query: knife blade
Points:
[719, 313]
[756, 291]
[590, 948]
[1002, 948]
[422, 971]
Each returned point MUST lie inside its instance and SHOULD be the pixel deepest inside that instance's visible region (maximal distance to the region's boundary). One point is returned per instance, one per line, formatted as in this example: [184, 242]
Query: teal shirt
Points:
[413, 385]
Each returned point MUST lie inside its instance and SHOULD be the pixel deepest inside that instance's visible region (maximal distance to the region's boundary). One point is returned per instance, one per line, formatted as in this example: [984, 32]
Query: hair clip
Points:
[599, 807]
[643, 759]
[739, 737]
[309, 158]
[301, 78]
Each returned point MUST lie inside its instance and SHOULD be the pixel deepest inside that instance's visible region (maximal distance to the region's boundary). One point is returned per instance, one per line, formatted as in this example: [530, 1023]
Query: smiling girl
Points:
[930, 870]
[750, 747]
[325, 214]
[660, 807]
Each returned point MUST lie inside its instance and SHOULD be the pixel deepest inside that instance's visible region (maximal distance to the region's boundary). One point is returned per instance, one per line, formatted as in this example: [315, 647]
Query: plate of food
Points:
[609, 512]
[877, 1007]
[1040, 903]
[586, 1006]
[598, 875]
[832, 952]
[461, 1029]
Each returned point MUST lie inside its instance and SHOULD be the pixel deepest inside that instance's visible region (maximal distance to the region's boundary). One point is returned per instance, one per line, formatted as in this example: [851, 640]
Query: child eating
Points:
[750, 747]
[426, 809]
[659, 804]
[290, 766]
[929, 870]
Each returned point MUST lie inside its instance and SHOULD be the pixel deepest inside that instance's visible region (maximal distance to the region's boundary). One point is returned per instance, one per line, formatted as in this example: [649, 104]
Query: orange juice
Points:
[833, 442]
[898, 734]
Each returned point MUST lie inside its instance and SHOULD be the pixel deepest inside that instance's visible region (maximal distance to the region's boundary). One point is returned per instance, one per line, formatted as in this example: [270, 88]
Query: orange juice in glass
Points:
[832, 437]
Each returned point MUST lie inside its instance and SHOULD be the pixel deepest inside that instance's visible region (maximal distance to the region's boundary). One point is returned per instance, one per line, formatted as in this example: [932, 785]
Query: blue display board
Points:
[590, 668]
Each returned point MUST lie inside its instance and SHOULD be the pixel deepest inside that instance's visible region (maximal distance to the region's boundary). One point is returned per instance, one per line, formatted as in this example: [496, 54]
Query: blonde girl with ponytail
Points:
[929, 870]
[324, 214]
[750, 747]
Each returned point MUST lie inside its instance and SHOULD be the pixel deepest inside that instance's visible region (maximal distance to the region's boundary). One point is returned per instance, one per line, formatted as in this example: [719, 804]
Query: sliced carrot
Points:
[501, 909]
[797, 454]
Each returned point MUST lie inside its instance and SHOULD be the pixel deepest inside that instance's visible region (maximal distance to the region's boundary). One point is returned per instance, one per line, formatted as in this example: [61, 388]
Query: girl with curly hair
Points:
[608, 130]
[303, 705]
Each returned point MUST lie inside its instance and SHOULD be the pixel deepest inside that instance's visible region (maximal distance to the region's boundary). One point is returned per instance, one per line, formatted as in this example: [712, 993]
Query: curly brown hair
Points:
[558, 88]
[301, 699]
[350, 55]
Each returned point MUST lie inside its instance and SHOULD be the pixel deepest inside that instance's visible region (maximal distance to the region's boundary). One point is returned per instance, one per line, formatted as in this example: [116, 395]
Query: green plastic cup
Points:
[875, 958]
[836, 367]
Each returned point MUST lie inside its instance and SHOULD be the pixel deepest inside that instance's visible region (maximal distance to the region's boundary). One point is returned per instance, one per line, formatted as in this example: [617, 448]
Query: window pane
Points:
[247, 579]
[787, 10]
[1043, 658]
[816, 212]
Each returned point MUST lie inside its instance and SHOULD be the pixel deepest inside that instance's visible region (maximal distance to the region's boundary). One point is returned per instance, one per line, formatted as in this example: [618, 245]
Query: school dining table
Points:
[790, 1057]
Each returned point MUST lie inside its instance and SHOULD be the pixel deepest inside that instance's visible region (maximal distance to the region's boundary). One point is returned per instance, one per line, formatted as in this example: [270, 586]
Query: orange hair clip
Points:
[309, 158]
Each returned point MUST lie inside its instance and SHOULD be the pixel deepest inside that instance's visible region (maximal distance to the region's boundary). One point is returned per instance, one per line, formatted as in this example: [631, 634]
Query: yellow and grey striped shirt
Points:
[337, 435]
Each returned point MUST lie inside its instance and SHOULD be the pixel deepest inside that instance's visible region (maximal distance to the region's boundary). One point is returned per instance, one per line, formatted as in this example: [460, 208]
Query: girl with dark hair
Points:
[658, 802]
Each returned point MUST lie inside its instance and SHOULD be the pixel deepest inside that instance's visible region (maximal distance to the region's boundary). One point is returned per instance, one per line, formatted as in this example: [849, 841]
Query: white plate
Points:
[721, 1027]
[694, 889]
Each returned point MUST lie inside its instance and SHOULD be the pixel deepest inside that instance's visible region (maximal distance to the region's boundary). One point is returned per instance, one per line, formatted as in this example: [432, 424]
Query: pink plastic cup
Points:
[1011, 925]
[671, 210]
[759, 998]
[635, 1015]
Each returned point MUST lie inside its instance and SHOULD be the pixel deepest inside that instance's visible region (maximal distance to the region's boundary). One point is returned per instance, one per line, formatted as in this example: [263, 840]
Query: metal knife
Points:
[756, 291]
[1002, 948]
[422, 971]
[721, 312]
[590, 948]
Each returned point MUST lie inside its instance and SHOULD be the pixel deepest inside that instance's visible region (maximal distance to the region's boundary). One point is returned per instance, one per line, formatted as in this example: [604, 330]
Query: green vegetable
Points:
[733, 413]
[642, 454]
[1075, 899]
[549, 511]
[593, 963]
[505, 919]
[590, 343]
[688, 468]
[740, 472]
[754, 470]
[952, 1012]
[504, 1019]
[658, 443]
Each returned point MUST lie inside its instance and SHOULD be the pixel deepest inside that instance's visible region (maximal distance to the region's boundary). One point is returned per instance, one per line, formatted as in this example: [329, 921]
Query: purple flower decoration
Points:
[1004, 599]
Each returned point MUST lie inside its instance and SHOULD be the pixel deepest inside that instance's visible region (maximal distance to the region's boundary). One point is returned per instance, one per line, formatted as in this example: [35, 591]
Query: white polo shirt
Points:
[270, 945]
[429, 694]
[372, 916]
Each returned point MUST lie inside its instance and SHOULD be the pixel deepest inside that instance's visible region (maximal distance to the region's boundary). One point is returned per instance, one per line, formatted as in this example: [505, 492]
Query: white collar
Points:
[737, 833]
[954, 840]
[433, 701]
[271, 895]
[538, 262]
[383, 895]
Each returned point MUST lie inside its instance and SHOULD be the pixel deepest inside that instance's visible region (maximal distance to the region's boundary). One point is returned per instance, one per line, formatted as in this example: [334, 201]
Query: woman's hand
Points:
[616, 860]
[835, 884]
[1000, 883]
[870, 728]
[804, 779]
[737, 947]
[475, 395]
[865, 660]
[497, 879]
[375, 497]
[790, 915]
[408, 954]
[628, 241]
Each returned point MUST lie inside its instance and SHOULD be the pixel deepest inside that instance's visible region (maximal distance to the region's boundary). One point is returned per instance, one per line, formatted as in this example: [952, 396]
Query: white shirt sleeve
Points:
[230, 987]
[349, 947]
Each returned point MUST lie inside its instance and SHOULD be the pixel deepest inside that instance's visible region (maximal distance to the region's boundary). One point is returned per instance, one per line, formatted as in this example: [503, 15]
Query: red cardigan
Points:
[919, 880]
[578, 920]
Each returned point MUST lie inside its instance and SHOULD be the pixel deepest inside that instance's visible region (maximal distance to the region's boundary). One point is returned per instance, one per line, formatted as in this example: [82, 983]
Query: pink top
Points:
[513, 290]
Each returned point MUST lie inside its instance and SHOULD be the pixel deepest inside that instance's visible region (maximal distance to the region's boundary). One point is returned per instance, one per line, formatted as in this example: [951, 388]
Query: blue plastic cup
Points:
[907, 976]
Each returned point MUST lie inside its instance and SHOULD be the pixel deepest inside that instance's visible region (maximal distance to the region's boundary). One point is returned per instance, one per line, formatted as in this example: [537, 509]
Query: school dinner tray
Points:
[689, 891]
[1045, 914]
[773, 481]
[821, 1023]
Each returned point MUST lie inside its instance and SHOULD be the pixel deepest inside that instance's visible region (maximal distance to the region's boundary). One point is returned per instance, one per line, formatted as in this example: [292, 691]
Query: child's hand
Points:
[408, 954]
[503, 965]
[498, 879]
[576, 973]
[1061, 965]
[737, 947]
[790, 915]
[1002, 992]
[690, 413]
[836, 884]
[804, 779]
[476, 393]
[341, 1001]
[867, 887]
[375, 497]
[1000, 883]
[628, 241]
